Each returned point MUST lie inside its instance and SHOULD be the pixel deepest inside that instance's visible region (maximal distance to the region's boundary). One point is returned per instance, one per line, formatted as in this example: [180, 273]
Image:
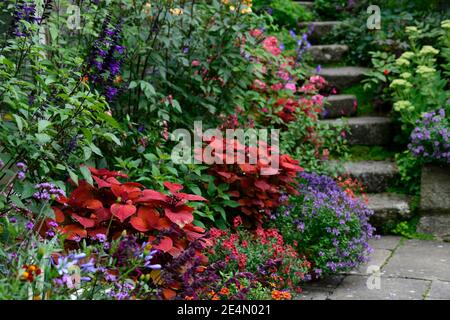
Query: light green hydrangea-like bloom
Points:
[403, 105]
[406, 75]
[400, 83]
[445, 24]
[429, 50]
[412, 29]
[424, 70]
[402, 62]
[407, 55]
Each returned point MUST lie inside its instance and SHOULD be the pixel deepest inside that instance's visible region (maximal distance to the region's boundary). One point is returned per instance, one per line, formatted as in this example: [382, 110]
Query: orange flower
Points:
[215, 297]
[281, 295]
[84, 79]
[224, 291]
[189, 298]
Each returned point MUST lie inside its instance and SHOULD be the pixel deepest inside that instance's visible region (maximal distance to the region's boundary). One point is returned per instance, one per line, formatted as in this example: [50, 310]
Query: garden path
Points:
[399, 268]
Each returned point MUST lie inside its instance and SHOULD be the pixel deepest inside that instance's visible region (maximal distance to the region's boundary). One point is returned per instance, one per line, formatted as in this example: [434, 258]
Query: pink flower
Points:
[270, 44]
[290, 86]
[255, 33]
[317, 99]
[277, 87]
[195, 63]
[283, 75]
[308, 88]
[259, 85]
[318, 81]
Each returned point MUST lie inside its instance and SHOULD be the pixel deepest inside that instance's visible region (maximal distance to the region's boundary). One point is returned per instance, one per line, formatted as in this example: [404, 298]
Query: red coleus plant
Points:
[109, 207]
[256, 185]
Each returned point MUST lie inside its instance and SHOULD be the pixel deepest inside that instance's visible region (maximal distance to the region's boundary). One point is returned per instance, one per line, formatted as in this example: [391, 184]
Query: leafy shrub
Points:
[111, 207]
[326, 224]
[285, 13]
[255, 187]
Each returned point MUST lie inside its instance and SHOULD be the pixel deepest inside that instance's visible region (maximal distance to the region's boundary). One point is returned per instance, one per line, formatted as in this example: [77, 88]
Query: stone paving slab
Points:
[377, 259]
[385, 242]
[354, 287]
[420, 259]
[440, 290]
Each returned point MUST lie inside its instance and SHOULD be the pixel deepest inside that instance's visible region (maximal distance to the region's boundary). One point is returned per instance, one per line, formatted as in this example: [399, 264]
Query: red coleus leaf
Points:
[181, 216]
[93, 204]
[101, 183]
[149, 195]
[168, 294]
[102, 214]
[190, 197]
[173, 187]
[248, 168]
[85, 222]
[147, 218]
[262, 185]
[59, 215]
[122, 211]
[127, 191]
[74, 231]
[106, 173]
[165, 244]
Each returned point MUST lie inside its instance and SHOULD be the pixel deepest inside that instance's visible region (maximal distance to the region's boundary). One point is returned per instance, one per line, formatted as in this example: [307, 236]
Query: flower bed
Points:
[93, 206]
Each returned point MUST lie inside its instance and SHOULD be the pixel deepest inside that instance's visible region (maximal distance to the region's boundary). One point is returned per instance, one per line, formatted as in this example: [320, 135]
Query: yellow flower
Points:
[232, 8]
[402, 62]
[445, 24]
[411, 29]
[225, 2]
[407, 55]
[176, 11]
[400, 83]
[405, 75]
[403, 105]
[424, 70]
[429, 50]
[246, 10]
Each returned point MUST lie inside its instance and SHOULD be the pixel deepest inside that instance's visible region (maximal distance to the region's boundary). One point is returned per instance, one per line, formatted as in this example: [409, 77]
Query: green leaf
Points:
[43, 124]
[19, 122]
[87, 175]
[43, 138]
[73, 176]
[113, 138]
[15, 199]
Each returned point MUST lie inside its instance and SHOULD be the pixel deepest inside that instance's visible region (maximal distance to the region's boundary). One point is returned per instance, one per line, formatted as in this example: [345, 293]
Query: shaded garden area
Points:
[94, 95]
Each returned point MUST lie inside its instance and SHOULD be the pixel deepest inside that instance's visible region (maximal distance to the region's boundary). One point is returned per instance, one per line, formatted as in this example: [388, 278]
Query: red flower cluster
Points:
[110, 207]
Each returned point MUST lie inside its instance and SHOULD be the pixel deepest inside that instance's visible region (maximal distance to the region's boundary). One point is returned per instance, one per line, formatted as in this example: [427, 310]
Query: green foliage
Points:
[285, 13]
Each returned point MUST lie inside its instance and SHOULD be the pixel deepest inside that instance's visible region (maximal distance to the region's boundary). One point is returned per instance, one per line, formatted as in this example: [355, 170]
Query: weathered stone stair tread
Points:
[340, 105]
[375, 176]
[328, 53]
[389, 207]
[366, 130]
[306, 4]
[343, 77]
[320, 29]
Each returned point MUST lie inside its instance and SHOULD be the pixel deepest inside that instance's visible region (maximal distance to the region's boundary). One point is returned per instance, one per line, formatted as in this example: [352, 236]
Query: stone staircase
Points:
[376, 176]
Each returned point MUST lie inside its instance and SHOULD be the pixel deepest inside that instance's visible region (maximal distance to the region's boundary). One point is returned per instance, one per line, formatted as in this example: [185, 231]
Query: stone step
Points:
[307, 4]
[389, 208]
[343, 77]
[328, 53]
[319, 29]
[375, 176]
[340, 105]
[366, 130]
